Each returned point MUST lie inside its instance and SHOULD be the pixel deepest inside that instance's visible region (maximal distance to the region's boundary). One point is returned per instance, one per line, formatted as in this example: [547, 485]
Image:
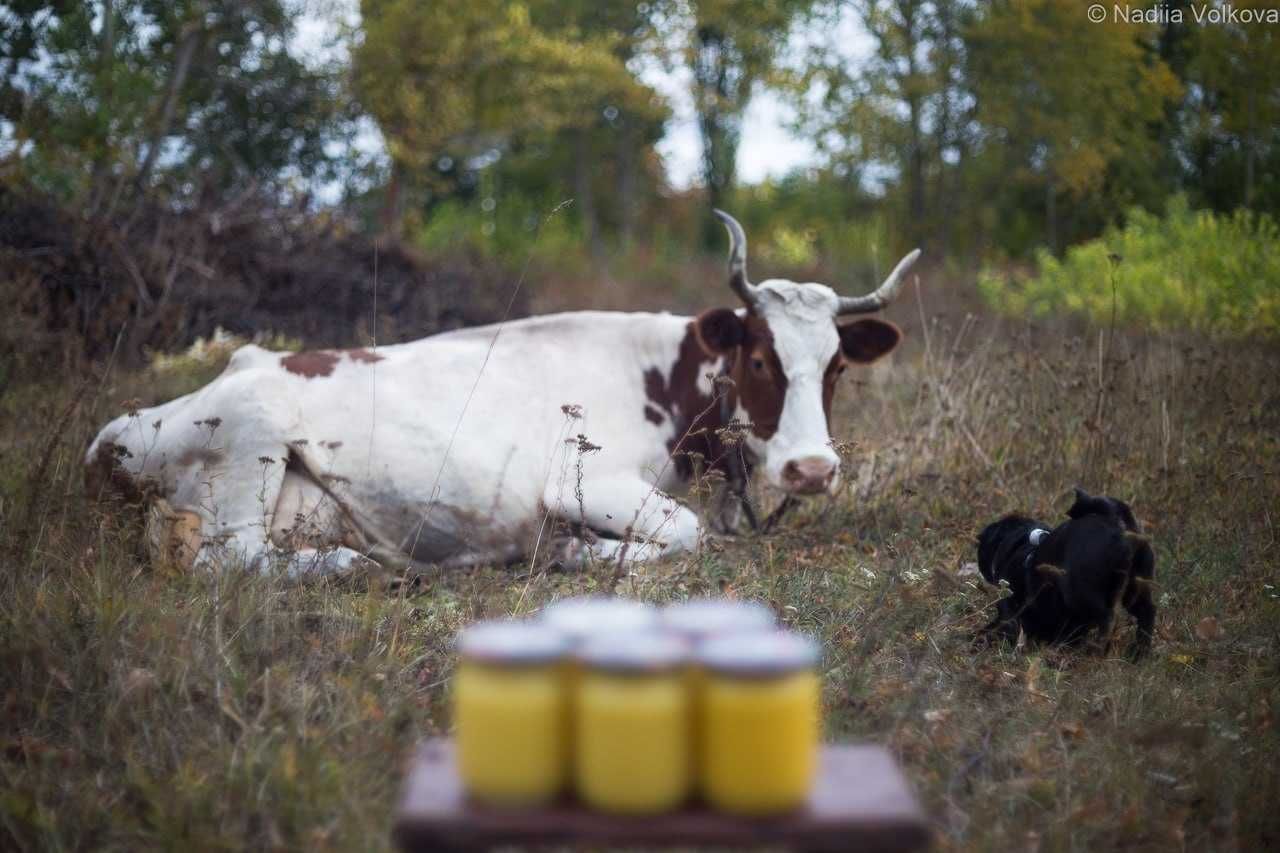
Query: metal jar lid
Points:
[764, 654]
[585, 616]
[703, 618]
[511, 642]
[634, 653]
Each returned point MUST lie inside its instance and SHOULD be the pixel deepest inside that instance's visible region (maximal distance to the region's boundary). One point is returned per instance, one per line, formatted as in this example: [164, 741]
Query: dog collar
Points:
[1035, 537]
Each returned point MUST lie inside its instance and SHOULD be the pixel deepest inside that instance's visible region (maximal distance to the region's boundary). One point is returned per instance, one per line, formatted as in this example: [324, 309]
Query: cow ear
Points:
[719, 330]
[868, 339]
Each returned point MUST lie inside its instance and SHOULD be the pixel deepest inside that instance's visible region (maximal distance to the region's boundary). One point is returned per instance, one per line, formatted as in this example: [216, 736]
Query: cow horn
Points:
[738, 259]
[883, 295]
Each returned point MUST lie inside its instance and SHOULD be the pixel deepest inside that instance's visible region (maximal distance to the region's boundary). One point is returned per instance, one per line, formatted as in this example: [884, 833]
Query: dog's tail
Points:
[1137, 596]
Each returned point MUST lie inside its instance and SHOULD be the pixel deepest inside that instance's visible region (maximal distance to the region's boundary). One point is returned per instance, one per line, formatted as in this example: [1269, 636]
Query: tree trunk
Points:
[391, 217]
[585, 197]
[627, 145]
[192, 36]
[98, 183]
[719, 103]
[1250, 147]
[1051, 215]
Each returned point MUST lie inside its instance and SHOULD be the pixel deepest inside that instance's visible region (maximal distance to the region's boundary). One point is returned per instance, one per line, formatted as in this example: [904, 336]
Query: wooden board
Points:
[860, 802]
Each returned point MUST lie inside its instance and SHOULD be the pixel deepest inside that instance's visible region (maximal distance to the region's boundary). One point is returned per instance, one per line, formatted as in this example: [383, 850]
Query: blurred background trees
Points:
[985, 130]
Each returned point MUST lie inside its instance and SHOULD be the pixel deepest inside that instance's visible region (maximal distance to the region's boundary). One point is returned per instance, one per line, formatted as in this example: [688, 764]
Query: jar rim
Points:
[511, 641]
[636, 652]
[583, 616]
[700, 618]
[776, 652]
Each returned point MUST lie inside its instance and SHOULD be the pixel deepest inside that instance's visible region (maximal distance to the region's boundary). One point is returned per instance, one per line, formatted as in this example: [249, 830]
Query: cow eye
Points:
[757, 364]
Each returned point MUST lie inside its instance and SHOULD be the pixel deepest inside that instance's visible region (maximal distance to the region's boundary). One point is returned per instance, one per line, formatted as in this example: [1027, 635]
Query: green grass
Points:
[142, 710]
[1219, 274]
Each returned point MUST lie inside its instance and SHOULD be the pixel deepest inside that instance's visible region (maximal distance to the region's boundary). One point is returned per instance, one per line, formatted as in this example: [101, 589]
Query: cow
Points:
[461, 448]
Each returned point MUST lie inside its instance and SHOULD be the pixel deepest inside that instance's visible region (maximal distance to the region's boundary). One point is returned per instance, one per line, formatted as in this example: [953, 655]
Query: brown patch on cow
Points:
[652, 415]
[205, 456]
[363, 356]
[760, 383]
[695, 414]
[310, 364]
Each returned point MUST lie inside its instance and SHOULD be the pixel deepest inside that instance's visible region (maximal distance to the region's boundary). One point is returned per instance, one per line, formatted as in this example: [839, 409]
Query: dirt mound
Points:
[157, 280]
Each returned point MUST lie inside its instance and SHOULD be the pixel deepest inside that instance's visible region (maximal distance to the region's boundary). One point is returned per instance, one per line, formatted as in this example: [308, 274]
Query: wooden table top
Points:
[860, 801]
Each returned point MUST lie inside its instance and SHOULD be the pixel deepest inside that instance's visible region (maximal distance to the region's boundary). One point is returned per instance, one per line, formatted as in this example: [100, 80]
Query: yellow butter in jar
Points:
[760, 721]
[700, 619]
[631, 714]
[510, 699]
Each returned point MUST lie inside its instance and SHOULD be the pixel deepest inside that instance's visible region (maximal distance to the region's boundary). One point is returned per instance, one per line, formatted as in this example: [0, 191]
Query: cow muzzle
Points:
[809, 475]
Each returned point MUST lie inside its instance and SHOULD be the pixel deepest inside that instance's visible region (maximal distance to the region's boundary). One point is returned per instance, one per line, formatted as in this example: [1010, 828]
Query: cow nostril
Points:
[809, 475]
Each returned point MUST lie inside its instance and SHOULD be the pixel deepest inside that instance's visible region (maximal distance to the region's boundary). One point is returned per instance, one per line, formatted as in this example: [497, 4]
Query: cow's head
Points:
[784, 354]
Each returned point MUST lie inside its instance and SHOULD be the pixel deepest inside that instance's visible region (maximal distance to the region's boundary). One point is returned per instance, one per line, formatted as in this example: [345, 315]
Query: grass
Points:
[145, 710]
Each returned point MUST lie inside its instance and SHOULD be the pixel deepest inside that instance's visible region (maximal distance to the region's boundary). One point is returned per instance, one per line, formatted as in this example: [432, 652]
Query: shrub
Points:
[1212, 273]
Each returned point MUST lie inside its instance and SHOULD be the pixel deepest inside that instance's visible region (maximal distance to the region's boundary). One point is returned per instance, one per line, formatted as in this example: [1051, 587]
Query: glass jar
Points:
[510, 699]
[700, 619]
[631, 714]
[760, 721]
[583, 617]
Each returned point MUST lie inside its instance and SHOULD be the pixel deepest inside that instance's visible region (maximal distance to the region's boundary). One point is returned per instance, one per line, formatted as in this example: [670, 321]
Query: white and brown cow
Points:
[458, 448]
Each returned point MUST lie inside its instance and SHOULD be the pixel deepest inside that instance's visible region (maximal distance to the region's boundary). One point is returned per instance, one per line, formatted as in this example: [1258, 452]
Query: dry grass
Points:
[141, 710]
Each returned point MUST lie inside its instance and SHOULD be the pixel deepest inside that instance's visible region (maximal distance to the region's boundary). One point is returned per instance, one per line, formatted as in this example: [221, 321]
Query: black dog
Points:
[1067, 581]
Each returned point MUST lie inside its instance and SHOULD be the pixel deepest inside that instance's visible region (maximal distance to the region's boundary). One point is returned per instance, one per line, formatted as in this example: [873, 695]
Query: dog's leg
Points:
[1003, 627]
[1137, 596]
[1099, 636]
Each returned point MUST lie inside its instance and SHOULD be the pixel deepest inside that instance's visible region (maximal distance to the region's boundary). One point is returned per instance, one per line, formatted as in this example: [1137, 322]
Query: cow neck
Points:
[680, 395]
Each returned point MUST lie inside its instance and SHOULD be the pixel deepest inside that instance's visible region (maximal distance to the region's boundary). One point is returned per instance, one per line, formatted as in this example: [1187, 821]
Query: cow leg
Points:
[238, 508]
[634, 520]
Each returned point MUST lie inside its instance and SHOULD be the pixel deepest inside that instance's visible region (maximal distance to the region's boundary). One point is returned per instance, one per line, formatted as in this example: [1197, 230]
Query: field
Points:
[140, 709]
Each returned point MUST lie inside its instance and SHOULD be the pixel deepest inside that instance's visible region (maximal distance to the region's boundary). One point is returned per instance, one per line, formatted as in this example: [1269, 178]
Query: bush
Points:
[156, 279]
[1212, 273]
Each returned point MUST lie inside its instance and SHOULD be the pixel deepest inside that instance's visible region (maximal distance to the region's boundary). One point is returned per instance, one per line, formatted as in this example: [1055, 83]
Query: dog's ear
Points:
[988, 545]
[1083, 504]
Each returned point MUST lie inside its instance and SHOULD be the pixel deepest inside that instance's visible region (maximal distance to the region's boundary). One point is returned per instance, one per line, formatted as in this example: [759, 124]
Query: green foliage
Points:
[114, 98]
[515, 231]
[442, 77]
[1231, 117]
[1213, 273]
[813, 225]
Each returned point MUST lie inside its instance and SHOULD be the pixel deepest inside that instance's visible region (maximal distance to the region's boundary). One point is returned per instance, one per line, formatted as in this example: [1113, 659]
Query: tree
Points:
[903, 113]
[139, 96]
[1233, 112]
[465, 78]
[732, 46]
[1061, 99]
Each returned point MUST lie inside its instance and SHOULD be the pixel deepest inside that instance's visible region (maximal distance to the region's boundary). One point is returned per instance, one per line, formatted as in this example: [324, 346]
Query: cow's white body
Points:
[455, 448]
[464, 447]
